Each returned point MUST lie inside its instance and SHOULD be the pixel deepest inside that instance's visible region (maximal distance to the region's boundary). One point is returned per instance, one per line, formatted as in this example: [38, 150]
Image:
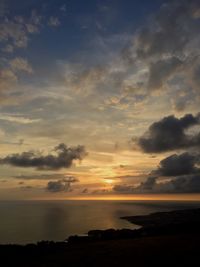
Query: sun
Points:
[108, 181]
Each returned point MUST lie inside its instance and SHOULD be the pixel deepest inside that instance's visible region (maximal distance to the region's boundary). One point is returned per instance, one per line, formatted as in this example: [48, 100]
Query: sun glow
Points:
[108, 181]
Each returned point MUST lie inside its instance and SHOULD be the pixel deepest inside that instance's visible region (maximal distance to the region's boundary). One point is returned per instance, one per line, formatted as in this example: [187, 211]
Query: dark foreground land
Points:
[166, 239]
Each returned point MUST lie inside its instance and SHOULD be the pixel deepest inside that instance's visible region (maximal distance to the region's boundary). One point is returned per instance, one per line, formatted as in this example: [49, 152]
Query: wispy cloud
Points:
[20, 64]
[54, 21]
[17, 118]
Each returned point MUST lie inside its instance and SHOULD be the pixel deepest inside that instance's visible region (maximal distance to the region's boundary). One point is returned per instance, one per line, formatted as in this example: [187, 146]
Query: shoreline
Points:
[153, 223]
[165, 218]
[176, 240]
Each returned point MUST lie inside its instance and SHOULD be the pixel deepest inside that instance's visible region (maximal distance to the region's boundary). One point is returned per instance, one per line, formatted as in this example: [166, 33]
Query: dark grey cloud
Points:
[144, 187]
[180, 184]
[148, 184]
[176, 165]
[62, 157]
[180, 174]
[185, 184]
[169, 134]
[123, 188]
[63, 185]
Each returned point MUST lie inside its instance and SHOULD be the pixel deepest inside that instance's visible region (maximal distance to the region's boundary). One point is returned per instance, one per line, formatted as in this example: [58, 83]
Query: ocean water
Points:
[24, 222]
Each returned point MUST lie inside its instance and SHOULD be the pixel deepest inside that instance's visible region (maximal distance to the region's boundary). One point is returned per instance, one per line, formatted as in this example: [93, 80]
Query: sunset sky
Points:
[99, 99]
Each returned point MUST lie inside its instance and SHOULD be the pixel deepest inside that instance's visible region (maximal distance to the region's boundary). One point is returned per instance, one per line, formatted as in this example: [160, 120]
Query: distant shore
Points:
[172, 222]
[165, 239]
[168, 218]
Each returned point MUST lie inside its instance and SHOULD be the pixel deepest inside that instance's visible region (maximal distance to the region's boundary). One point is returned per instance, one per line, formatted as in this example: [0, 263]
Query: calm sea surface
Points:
[24, 222]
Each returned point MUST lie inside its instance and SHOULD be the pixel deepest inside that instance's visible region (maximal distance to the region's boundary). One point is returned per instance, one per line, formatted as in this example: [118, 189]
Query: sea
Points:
[23, 222]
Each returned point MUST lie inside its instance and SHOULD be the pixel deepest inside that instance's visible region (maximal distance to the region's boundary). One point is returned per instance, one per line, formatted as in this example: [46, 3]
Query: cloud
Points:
[53, 176]
[27, 187]
[9, 75]
[184, 170]
[21, 64]
[144, 187]
[181, 102]
[15, 31]
[85, 191]
[176, 165]
[185, 184]
[123, 188]
[180, 184]
[62, 157]
[169, 30]
[8, 49]
[63, 185]
[144, 67]
[179, 173]
[7, 79]
[160, 56]
[17, 118]
[148, 184]
[100, 191]
[161, 70]
[169, 134]
[54, 21]
[167, 47]
[63, 8]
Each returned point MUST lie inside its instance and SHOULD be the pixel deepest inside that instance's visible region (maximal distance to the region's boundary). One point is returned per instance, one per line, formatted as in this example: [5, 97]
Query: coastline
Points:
[166, 218]
[171, 235]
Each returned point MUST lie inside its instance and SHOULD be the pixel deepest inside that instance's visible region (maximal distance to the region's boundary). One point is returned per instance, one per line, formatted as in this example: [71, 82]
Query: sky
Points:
[99, 99]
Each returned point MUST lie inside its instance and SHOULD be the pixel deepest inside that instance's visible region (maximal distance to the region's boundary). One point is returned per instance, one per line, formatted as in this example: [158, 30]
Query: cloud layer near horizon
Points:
[177, 173]
[63, 185]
